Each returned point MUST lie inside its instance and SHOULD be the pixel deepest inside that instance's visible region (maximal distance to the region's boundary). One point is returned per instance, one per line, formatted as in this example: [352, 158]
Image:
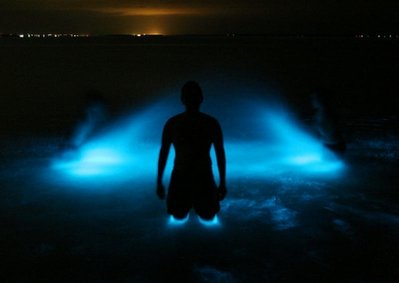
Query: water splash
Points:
[262, 141]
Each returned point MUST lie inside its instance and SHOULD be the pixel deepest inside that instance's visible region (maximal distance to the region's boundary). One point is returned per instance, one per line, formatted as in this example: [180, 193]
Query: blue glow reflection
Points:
[214, 222]
[177, 222]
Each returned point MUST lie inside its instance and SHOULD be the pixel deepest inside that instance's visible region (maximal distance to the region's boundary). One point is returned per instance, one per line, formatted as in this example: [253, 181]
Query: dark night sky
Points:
[198, 16]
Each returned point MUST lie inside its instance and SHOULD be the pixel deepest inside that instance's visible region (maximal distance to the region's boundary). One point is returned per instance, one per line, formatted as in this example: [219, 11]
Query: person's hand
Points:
[222, 191]
[161, 191]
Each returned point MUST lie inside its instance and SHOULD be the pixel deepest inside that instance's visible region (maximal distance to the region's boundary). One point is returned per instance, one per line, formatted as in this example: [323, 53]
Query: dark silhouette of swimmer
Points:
[326, 123]
[192, 134]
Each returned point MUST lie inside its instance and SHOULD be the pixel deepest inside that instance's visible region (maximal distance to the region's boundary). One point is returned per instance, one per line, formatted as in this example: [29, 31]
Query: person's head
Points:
[191, 95]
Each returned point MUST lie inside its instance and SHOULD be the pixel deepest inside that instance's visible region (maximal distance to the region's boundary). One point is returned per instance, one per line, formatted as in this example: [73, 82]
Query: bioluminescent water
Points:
[262, 140]
[177, 222]
[266, 210]
[214, 222]
[174, 222]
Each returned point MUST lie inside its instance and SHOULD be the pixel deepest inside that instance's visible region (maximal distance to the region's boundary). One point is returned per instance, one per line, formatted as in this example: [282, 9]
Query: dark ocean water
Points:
[52, 76]
[283, 225]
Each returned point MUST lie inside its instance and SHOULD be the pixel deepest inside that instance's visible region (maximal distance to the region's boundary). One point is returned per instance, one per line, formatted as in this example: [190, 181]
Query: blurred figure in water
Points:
[91, 119]
[326, 122]
[192, 183]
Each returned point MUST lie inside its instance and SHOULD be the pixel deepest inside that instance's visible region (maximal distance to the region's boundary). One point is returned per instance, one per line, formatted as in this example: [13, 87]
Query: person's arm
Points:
[221, 161]
[163, 157]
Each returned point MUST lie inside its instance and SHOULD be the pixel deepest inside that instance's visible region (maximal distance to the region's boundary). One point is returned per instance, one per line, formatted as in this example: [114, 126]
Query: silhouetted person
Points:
[326, 123]
[192, 134]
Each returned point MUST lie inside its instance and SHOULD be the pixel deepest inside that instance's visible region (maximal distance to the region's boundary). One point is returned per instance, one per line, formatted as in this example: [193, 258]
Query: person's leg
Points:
[208, 219]
[180, 214]
[206, 215]
[178, 221]
[206, 202]
[206, 205]
[178, 199]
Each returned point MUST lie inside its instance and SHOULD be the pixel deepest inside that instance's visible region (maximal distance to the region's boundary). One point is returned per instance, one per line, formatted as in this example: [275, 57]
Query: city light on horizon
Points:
[193, 17]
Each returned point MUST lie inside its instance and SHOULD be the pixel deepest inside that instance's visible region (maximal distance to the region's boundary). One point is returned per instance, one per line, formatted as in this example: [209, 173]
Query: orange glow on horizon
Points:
[154, 11]
[154, 28]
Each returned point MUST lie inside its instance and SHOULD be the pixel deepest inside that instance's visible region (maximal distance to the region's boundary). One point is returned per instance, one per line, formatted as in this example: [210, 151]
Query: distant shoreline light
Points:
[72, 35]
[147, 34]
[45, 35]
[361, 36]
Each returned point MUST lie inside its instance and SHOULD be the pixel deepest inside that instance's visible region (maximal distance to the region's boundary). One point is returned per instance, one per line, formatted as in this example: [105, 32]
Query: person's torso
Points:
[192, 136]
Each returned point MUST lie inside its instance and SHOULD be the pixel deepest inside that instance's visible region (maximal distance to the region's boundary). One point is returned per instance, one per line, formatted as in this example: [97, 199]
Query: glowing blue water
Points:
[214, 222]
[128, 151]
[177, 222]
[173, 222]
[270, 211]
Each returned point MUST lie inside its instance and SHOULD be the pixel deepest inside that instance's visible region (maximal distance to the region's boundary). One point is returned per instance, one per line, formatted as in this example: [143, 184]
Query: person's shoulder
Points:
[207, 117]
[174, 119]
[210, 119]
